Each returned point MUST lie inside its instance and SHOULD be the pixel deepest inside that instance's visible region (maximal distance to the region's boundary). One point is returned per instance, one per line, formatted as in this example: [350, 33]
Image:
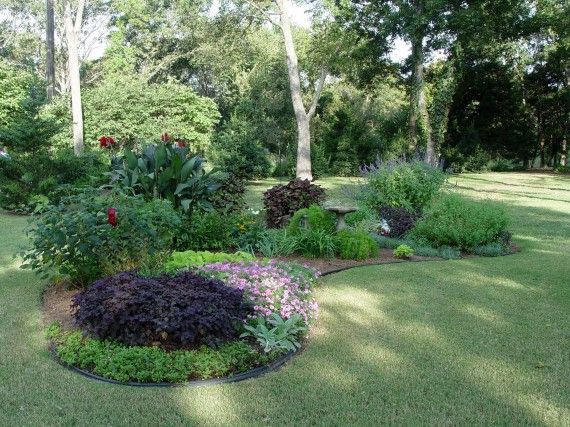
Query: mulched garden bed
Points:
[330, 265]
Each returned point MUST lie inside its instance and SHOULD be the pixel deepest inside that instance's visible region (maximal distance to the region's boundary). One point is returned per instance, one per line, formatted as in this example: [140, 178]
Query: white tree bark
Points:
[303, 117]
[72, 31]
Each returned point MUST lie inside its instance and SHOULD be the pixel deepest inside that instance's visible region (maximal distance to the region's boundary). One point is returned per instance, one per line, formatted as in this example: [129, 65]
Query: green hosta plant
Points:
[403, 252]
[166, 171]
[275, 333]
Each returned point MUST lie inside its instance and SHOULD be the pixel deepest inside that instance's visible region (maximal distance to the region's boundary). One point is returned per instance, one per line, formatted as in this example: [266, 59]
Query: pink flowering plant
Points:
[272, 286]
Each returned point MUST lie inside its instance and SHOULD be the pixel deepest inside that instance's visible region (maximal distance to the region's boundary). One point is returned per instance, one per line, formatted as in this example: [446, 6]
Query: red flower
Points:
[112, 216]
[165, 137]
[181, 143]
[106, 142]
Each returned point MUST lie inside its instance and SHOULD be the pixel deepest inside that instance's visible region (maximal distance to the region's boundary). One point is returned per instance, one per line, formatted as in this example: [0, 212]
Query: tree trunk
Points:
[72, 30]
[542, 149]
[50, 50]
[420, 129]
[303, 119]
[564, 153]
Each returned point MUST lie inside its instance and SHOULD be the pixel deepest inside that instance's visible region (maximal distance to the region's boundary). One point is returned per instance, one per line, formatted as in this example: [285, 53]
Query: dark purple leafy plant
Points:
[183, 310]
[282, 201]
[399, 220]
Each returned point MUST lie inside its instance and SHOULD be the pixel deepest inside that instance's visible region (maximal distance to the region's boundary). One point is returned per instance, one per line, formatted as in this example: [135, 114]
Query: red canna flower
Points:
[181, 143]
[112, 216]
[165, 137]
[106, 142]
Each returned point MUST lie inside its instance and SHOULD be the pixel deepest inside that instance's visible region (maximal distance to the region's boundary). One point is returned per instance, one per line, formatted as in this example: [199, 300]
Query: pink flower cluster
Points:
[273, 287]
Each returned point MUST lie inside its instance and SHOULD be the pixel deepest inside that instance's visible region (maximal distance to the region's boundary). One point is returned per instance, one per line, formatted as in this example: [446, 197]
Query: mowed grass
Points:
[474, 341]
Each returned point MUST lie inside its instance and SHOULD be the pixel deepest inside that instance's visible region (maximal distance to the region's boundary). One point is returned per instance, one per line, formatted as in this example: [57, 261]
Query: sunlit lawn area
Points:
[475, 341]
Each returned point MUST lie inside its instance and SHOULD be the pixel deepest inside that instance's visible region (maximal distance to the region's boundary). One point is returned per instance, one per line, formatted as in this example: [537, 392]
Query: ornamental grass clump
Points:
[272, 287]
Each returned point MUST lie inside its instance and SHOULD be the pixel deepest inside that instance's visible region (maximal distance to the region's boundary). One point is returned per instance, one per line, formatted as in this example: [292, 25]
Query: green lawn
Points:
[475, 341]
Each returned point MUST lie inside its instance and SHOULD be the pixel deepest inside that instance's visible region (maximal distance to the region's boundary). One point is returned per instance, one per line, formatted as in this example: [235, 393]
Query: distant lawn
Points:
[339, 189]
[472, 342]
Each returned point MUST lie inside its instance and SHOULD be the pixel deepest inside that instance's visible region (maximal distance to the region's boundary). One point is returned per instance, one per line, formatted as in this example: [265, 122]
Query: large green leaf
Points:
[188, 168]
[160, 156]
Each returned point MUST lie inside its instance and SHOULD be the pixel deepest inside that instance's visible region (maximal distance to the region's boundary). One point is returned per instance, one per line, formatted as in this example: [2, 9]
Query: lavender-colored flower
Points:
[273, 287]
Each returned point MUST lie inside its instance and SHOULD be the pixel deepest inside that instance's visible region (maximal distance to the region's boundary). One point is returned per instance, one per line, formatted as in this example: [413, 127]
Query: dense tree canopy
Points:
[482, 82]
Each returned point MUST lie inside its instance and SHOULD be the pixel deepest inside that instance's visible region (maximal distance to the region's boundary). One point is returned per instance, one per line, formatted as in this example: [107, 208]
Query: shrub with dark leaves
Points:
[399, 220]
[230, 196]
[183, 310]
[282, 201]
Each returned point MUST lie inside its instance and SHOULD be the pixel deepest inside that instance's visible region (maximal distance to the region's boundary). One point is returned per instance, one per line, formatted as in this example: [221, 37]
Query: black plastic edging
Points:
[256, 372]
[339, 270]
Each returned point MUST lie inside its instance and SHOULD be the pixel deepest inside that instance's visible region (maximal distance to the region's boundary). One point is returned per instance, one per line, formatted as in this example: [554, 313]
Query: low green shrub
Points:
[388, 242]
[459, 222]
[248, 229]
[314, 217]
[355, 244]
[153, 364]
[94, 233]
[447, 252]
[490, 250]
[206, 231]
[426, 251]
[230, 197]
[403, 251]
[189, 259]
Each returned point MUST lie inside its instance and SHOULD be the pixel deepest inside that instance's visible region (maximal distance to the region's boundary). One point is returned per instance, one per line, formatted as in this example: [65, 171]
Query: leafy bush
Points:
[189, 259]
[312, 218]
[76, 238]
[115, 361]
[399, 220]
[356, 245]
[133, 111]
[363, 219]
[272, 287]
[206, 231]
[411, 185]
[282, 201]
[25, 176]
[248, 230]
[165, 171]
[283, 334]
[235, 150]
[185, 309]
[403, 251]
[459, 222]
[229, 198]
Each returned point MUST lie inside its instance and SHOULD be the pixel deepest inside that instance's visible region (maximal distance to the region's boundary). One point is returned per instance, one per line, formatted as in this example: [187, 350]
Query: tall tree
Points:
[50, 49]
[280, 16]
[73, 22]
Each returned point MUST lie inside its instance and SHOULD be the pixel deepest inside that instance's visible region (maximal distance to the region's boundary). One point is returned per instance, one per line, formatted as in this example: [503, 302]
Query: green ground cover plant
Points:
[190, 259]
[118, 362]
